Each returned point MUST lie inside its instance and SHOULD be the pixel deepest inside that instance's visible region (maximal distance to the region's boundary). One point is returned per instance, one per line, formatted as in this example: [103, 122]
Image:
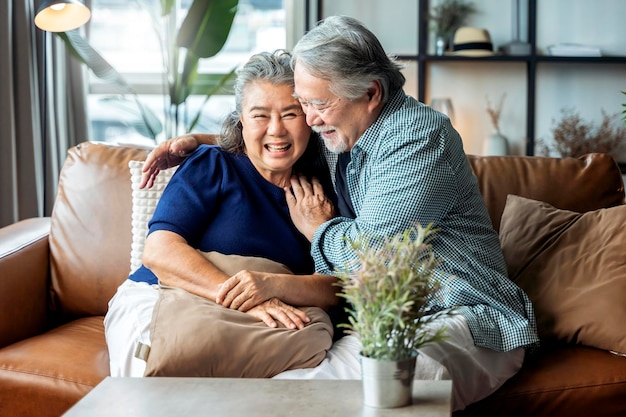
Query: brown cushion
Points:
[193, 336]
[46, 374]
[573, 267]
[572, 381]
[581, 184]
[90, 231]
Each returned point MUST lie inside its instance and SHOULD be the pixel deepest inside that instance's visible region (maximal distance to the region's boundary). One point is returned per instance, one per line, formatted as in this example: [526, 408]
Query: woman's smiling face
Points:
[274, 131]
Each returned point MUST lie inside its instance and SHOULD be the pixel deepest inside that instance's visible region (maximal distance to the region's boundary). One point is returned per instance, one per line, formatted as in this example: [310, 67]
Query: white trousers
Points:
[476, 372]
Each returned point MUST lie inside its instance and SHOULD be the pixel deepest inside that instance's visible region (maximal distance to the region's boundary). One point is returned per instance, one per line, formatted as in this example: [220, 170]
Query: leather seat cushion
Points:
[56, 368]
[572, 380]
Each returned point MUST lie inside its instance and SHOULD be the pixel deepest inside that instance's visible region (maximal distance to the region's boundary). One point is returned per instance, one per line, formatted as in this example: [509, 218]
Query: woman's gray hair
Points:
[343, 51]
[267, 66]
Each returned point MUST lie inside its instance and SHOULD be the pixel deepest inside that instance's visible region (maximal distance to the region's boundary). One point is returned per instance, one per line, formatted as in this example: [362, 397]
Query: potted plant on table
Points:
[388, 292]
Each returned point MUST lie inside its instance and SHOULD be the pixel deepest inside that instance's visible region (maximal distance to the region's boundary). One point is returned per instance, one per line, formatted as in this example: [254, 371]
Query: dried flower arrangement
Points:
[494, 112]
[574, 137]
[389, 292]
[449, 15]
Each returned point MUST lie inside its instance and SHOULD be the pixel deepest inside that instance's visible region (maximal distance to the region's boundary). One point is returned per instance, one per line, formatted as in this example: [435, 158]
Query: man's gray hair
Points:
[343, 51]
[267, 66]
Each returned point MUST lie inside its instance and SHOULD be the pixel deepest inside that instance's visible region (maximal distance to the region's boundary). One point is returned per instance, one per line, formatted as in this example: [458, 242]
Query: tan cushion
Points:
[195, 337]
[573, 267]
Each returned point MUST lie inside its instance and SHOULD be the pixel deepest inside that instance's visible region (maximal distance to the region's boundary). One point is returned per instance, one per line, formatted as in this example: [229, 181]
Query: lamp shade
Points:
[61, 15]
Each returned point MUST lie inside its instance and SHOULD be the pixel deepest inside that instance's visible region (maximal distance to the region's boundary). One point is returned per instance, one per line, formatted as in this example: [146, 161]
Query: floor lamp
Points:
[55, 16]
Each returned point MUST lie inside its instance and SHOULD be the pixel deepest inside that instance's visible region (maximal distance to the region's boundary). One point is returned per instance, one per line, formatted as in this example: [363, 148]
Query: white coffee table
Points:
[179, 397]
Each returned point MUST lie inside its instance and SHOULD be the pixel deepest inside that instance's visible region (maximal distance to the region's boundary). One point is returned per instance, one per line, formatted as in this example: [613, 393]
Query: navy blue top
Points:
[218, 201]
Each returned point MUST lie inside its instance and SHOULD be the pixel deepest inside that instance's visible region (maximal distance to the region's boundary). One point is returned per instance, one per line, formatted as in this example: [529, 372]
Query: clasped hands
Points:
[251, 292]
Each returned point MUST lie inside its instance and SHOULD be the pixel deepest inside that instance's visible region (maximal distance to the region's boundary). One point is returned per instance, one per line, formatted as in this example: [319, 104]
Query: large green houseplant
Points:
[388, 290]
[201, 34]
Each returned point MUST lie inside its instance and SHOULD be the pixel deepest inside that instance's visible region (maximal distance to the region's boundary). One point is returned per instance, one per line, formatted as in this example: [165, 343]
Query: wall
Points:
[586, 88]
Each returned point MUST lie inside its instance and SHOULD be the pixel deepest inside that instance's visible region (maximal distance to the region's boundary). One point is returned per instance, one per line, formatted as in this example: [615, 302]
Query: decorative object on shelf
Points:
[496, 143]
[573, 137]
[388, 294]
[446, 17]
[517, 46]
[443, 105]
[573, 49]
[471, 41]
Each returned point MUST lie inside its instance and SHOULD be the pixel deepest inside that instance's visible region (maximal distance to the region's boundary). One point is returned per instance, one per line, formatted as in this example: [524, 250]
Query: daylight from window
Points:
[122, 31]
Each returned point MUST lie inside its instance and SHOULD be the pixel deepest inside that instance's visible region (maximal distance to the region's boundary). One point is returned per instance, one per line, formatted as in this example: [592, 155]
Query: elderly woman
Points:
[230, 199]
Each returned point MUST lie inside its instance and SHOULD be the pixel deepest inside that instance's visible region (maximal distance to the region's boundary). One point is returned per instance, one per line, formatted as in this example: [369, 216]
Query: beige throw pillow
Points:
[195, 337]
[573, 268]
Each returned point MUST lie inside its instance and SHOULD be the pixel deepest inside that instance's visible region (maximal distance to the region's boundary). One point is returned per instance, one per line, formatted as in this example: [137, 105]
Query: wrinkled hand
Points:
[166, 155]
[274, 310]
[308, 205]
[245, 290]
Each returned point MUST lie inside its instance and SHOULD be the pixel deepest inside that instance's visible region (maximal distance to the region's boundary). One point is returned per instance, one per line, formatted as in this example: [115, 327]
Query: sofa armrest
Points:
[24, 277]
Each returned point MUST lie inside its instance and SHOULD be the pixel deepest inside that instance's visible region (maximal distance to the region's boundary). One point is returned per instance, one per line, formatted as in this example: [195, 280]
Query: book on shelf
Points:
[573, 49]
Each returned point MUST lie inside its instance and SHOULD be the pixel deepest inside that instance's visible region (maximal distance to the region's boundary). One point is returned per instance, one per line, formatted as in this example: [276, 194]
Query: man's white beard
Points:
[335, 145]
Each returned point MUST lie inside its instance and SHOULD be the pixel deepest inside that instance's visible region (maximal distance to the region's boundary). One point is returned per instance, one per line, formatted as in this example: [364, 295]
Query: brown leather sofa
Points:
[57, 275]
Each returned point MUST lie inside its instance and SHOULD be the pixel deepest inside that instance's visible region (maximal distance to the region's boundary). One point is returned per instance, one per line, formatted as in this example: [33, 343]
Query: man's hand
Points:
[166, 155]
[274, 309]
[308, 205]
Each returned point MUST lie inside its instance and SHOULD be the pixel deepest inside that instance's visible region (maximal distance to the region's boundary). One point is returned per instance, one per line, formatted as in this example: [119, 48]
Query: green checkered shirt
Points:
[409, 167]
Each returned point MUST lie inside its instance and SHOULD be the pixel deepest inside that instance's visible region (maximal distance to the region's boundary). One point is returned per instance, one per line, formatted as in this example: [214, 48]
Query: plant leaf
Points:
[85, 53]
[206, 26]
[213, 90]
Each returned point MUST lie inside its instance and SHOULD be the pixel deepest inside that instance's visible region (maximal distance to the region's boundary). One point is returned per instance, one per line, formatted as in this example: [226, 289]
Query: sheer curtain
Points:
[39, 118]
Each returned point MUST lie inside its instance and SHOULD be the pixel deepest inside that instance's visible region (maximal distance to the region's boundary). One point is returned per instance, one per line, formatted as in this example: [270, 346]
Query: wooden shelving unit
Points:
[531, 61]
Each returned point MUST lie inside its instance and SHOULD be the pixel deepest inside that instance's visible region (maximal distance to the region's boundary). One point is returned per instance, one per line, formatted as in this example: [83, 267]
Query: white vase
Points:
[496, 144]
[386, 383]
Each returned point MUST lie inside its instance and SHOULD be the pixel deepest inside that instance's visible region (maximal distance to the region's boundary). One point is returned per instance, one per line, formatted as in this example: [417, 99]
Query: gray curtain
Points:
[40, 117]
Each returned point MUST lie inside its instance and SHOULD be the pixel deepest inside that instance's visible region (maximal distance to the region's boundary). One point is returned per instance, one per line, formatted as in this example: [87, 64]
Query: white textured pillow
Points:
[144, 203]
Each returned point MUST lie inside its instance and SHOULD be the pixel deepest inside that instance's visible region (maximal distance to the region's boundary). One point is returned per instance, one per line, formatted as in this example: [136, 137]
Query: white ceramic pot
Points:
[496, 144]
[387, 384]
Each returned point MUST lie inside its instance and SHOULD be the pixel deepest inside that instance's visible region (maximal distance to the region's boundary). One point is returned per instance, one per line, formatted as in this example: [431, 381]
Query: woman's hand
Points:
[274, 310]
[245, 290]
[166, 155]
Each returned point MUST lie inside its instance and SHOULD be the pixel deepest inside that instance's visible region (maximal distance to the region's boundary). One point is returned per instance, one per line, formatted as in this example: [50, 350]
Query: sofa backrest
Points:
[90, 232]
[582, 184]
[90, 237]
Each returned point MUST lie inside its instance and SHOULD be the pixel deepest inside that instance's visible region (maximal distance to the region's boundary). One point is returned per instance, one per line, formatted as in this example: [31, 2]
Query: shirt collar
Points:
[369, 139]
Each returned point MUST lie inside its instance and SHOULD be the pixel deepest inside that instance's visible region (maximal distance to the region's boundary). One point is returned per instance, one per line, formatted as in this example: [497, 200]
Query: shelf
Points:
[518, 58]
[531, 62]
[583, 59]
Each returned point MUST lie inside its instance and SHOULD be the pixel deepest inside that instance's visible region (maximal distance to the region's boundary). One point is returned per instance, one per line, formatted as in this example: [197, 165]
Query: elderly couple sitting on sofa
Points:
[253, 196]
[240, 199]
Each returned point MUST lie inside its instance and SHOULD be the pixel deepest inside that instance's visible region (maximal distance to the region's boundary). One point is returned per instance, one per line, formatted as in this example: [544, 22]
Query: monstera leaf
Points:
[202, 34]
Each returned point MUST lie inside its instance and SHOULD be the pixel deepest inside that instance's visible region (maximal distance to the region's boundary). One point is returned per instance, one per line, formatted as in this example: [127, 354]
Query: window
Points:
[122, 32]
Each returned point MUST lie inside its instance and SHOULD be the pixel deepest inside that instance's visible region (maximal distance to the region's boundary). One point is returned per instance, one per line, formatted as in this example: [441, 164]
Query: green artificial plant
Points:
[202, 34]
[448, 15]
[388, 292]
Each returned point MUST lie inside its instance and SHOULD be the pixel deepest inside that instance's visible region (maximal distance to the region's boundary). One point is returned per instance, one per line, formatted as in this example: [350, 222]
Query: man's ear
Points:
[375, 94]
